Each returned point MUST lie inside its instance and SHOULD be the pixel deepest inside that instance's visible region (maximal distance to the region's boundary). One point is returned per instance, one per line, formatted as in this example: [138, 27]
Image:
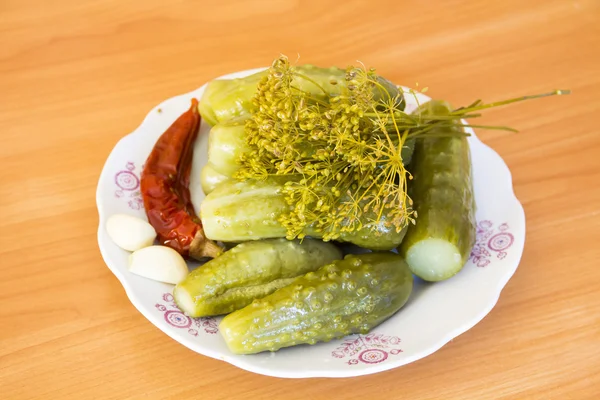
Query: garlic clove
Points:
[130, 233]
[159, 263]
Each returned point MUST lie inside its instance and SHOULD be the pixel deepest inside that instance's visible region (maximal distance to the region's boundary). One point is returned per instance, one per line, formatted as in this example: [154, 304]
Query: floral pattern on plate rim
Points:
[128, 186]
[372, 348]
[491, 241]
[174, 317]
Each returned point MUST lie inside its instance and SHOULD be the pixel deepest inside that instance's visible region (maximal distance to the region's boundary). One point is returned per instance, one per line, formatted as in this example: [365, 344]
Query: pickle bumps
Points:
[352, 295]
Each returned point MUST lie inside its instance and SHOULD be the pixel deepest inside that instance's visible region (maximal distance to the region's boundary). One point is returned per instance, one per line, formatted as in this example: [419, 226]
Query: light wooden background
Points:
[75, 76]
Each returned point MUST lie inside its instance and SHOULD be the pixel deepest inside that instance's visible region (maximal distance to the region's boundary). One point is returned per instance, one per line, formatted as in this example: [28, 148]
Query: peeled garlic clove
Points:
[130, 233]
[160, 263]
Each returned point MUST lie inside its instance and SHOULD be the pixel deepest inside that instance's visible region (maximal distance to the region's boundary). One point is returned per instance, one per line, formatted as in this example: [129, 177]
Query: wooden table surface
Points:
[76, 76]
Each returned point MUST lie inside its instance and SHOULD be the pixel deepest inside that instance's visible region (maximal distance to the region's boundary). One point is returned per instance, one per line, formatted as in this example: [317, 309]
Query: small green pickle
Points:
[249, 271]
[352, 295]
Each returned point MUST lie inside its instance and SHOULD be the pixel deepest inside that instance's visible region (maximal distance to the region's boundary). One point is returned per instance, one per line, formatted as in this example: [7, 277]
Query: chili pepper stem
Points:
[201, 247]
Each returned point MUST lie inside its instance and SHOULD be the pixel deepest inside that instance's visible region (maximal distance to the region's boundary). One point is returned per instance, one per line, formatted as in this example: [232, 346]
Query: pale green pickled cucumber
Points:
[239, 211]
[226, 143]
[249, 271]
[353, 295]
[438, 246]
[224, 99]
[210, 179]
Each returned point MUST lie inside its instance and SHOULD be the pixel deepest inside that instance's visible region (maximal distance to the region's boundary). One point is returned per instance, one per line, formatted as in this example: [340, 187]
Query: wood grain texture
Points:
[76, 76]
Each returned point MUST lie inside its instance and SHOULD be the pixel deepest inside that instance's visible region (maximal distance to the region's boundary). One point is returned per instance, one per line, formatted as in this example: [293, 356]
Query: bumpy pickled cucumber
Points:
[249, 271]
[224, 99]
[240, 211]
[353, 295]
[210, 179]
[226, 143]
[439, 244]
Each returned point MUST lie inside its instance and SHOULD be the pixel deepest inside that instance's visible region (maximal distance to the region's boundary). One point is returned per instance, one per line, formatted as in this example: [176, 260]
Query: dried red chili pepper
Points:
[165, 189]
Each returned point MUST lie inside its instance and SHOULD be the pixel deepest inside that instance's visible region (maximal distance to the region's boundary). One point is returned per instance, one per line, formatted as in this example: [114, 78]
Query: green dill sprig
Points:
[342, 153]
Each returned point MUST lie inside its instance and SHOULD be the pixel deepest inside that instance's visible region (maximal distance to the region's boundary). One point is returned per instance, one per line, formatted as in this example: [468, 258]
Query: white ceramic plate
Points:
[435, 313]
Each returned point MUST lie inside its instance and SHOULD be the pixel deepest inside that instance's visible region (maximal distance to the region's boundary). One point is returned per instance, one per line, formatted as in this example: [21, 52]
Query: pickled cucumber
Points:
[249, 271]
[224, 99]
[353, 295]
[438, 246]
[239, 211]
[373, 236]
[210, 179]
[226, 143]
